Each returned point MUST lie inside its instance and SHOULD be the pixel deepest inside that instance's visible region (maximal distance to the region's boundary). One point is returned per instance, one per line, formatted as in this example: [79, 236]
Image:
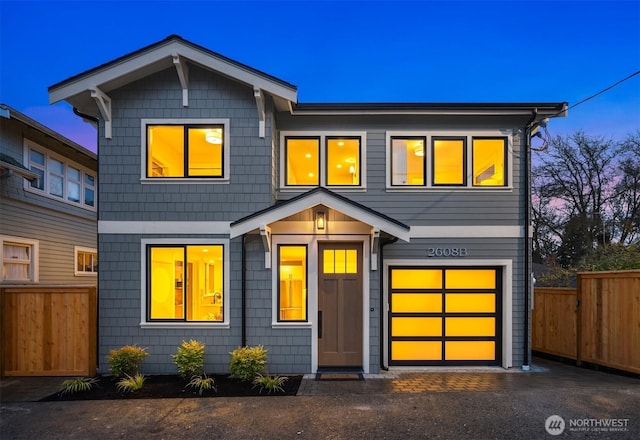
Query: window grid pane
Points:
[448, 161]
[343, 162]
[489, 162]
[407, 161]
[302, 157]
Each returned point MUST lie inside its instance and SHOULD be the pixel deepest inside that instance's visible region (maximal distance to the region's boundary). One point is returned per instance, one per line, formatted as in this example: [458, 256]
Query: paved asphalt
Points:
[434, 404]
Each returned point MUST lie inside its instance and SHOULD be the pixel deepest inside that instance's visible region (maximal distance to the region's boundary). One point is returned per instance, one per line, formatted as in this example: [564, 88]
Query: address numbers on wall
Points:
[447, 252]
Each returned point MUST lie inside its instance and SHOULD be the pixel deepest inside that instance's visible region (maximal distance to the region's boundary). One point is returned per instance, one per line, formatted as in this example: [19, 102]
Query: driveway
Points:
[472, 404]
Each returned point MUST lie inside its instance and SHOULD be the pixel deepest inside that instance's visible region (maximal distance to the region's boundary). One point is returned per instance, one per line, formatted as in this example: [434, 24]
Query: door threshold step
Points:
[339, 374]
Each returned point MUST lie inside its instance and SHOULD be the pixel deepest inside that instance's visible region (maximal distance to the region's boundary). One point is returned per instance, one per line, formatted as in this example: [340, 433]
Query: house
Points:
[48, 248]
[339, 236]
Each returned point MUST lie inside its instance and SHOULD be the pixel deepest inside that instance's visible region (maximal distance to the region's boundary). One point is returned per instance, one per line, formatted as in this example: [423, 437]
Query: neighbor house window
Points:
[407, 161]
[19, 259]
[185, 283]
[448, 156]
[86, 261]
[59, 178]
[292, 283]
[489, 161]
[185, 151]
[323, 160]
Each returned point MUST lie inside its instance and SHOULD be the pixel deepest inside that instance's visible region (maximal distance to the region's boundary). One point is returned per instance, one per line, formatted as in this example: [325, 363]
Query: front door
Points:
[340, 305]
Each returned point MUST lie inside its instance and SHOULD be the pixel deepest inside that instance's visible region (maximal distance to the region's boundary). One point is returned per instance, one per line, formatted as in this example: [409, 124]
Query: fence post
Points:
[579, 319]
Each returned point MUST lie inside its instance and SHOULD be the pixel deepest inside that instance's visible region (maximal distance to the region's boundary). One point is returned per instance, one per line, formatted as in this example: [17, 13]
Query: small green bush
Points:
[269, 383]
[189, 359]
[78, 384]
[248, 362]
[129, 384]
[126, 360]
[202, 383]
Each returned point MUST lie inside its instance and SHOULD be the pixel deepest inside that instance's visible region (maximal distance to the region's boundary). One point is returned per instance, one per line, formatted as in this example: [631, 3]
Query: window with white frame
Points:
[86, 261]
[326, 159]
[185, 150]
[448, 160]
[186, 282]
[60, 178]
[19, 259]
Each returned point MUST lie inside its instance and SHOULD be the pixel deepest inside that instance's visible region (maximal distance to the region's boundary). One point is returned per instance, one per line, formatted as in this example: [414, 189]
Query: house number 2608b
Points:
[447, 252]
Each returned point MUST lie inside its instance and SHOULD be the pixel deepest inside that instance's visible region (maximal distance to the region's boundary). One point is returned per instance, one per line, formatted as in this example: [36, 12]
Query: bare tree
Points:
[626, 206]
[573, 191]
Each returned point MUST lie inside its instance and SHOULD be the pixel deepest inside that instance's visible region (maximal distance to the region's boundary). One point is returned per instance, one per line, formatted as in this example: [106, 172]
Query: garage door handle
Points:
[319, 324]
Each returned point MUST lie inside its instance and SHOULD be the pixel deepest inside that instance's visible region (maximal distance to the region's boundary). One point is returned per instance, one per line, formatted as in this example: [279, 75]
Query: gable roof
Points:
[156, 57]
[315, 197]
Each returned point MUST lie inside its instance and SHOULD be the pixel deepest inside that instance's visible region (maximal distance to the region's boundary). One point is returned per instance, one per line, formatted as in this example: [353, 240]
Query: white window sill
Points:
[221, 325]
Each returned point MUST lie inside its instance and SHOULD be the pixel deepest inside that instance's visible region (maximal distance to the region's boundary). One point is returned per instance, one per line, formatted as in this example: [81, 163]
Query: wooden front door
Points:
[340, 305]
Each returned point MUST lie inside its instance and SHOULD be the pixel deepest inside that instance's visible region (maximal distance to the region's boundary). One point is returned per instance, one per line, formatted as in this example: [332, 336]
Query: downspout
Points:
[244, 290]
[527, 246]
[382, 309]
[95, 120]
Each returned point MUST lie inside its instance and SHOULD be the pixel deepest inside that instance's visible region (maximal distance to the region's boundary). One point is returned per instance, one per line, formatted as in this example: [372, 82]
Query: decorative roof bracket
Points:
[265, 233]
[375, 238]
[104, 105]
[257, 93]
[183, 75]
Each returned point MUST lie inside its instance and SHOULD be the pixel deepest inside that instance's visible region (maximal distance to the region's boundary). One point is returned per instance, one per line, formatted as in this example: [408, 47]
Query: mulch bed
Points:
[169, 386]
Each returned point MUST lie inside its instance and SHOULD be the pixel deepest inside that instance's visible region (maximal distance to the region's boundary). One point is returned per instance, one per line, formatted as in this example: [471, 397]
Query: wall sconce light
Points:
[320, 220]
[419, 151]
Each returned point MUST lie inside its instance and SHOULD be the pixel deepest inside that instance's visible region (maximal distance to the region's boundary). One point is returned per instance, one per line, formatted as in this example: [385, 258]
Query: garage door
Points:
[444, 316]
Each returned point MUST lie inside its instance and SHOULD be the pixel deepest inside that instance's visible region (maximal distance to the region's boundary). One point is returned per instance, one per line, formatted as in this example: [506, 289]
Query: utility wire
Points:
[597, 94]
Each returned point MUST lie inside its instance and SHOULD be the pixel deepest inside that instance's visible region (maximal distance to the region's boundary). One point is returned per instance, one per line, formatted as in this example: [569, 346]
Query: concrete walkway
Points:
[470, 404]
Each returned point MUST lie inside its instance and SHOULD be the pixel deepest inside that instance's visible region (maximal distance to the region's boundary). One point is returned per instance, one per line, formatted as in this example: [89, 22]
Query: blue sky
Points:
[349, 51]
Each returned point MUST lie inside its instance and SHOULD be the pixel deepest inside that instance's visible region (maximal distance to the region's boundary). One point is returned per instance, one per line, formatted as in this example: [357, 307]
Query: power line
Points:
[637, 72]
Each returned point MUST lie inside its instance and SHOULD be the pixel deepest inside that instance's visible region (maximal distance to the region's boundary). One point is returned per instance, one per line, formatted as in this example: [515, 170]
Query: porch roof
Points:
[325, 197]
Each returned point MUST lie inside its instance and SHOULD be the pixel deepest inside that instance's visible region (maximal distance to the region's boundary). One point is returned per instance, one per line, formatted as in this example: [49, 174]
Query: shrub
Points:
[269, 383]
[189, 359]
[202, 383]
[131, 383]
[126, 361]
[78, 384]
[248, 362]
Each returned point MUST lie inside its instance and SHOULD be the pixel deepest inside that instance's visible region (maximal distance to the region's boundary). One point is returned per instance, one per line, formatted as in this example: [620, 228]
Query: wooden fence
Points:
[599, 322]
[48, 331]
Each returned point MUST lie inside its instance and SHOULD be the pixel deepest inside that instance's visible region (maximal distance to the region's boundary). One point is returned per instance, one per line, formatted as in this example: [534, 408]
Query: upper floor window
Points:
[325, 160]
[450, 161]
[185, 149]
[407, 160]
[19, 259]
[59, 178]
[86, 261]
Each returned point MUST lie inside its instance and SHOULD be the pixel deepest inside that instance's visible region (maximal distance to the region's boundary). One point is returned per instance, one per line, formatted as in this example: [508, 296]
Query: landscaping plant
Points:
[78, 384]
[126, 360]
[202, 383]
[270, 383]
[248, 362]
[189, 359]
[131, 383]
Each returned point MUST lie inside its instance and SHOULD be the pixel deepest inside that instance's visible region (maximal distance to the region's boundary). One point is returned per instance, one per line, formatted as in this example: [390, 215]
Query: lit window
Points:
[448, 161]
[489, 162]
[292, 285]
[303, 161]
[86, 261]
[186, 283]
[343, 161]
[19, 259]
[178, 151]
[323, 160]
[340, 261]
[60, 178]
[407, 161]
